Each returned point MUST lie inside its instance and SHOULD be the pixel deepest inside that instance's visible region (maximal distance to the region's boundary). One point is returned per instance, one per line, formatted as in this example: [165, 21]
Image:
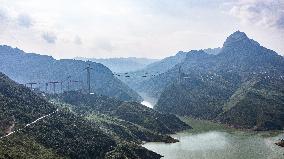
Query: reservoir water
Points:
[148, 101]
[147, 104]
[212, 141]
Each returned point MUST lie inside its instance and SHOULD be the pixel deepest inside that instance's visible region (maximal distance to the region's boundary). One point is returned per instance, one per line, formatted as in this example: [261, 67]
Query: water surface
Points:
[220, 143]
[148, 101]
[147, 104]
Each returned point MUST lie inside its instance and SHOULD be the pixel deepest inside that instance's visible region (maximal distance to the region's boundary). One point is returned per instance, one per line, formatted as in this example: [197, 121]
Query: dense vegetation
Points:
[241, 86]
[259, 106]
[28, 67]
[20, 103]
[129, 111]
[67, 133]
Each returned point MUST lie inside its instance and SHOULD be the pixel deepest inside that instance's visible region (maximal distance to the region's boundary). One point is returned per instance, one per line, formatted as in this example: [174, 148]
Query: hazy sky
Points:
[141, 28]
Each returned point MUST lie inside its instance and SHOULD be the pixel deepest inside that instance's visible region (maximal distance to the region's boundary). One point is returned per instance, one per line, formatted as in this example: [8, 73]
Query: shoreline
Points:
[205, 127]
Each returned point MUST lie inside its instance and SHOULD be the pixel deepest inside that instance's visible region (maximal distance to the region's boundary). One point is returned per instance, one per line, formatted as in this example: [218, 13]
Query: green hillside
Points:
[241, 86]
[129, 111]
[65, 133]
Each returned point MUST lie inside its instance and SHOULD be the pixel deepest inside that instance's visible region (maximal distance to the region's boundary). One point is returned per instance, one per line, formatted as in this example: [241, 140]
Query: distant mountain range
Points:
[80, 125]
[122, 65]
[242, 85]
[169, 62]
[34, 68]
[135, 78]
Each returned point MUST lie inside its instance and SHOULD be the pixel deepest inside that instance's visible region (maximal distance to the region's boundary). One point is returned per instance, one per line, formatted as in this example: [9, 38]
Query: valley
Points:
[210, 103]
[142, 79]
[241, 86]
[76, 125]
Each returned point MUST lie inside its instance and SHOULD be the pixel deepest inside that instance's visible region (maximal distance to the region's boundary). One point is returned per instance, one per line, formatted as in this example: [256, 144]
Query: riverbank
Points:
[206, 125]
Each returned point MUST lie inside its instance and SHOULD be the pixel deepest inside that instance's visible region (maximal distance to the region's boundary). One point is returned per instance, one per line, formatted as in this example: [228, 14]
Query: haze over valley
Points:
[142, 79]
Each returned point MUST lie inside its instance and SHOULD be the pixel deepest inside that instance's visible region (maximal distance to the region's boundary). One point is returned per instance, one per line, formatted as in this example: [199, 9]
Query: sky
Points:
[136, 28]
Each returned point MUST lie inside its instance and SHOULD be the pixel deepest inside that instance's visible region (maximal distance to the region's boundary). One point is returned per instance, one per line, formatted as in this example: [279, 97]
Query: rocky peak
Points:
[236, 37]
[238, 42]
[239, 37]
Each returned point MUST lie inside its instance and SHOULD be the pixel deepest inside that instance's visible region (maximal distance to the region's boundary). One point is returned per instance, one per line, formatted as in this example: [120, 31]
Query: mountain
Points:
[169, 62]
[26, 107]
[137, 78]
[29, 67]
[257, 104]
[241, 86]
[121, 65]
[45, 130]
[129, 111]
[17, 100]
[166, 63]
[154, 86]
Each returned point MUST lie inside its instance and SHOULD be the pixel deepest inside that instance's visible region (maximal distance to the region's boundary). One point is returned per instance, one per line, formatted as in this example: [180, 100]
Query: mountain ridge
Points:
[213, 84]
[66, 134]
[29, 67]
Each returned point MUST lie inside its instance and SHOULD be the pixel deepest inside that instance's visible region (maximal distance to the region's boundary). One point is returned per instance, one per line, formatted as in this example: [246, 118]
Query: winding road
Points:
[27, 125]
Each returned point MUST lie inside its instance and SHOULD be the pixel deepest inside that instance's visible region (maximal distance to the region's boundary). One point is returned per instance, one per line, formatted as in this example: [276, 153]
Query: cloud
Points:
[105, 45]
[24, 20]
[15, 19]
[3, 16]
[267, 13]
[280, 22]
[77, 40]
[49, 37]
[148, 28]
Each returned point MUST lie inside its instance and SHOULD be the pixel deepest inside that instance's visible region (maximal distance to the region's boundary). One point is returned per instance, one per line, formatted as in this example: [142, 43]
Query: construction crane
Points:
[39, 86]
[68, 83]
[54, 85]
[179, 74]
[88, 68]
[61, 86]
[31, 84]
[46, 86]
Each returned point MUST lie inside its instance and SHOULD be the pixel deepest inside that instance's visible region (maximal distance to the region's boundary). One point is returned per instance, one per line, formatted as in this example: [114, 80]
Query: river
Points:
[147, 104]
[213, 141]
[147, 100]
